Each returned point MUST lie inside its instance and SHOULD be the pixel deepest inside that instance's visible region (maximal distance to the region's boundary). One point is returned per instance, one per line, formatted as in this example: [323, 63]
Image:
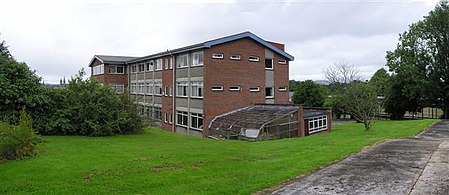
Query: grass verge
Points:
[160, 162]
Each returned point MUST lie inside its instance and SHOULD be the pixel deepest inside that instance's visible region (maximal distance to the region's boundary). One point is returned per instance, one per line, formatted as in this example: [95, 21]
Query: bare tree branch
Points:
[342, 72]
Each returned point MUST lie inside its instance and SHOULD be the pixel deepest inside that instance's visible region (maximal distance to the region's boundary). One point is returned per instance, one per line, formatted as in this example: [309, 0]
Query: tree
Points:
[422, 57]
[4, 51]
[360, 101]
[309, 93]
[342, 73]
[380, 82]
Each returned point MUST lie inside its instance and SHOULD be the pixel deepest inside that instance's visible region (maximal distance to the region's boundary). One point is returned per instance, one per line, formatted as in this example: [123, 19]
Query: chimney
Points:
[277, 45]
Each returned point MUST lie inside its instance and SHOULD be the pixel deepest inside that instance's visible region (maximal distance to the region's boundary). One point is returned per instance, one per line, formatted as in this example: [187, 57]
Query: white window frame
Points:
[149, 66]
[235, 88]
[171, 62]
[197, 117]
[196, 89]
[272, 64]
[182, 89]
[199, 59]
[165, 117]
[114, 68]
[149, 88]
[182, 61]
[133, 68]
[253, 58]
[133, 88]
[254, 89]
[141, 67]
[170, 118]
[117, 88]
[158, 88]
[235, 57]
[317, 124]
[98, 70]
[157, 113]
[184, 117]
[170, 91]
[272, 93]
[140, 88]
[217, 88]
[217, 56]
[283, 88]
[158, 64]
[282, 62]
[166, 64]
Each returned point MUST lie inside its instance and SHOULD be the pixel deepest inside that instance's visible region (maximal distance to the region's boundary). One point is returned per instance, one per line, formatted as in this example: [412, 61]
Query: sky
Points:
[58, 38]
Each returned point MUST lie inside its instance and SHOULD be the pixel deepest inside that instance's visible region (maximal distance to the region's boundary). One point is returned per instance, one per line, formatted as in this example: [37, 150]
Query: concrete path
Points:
[417, 165]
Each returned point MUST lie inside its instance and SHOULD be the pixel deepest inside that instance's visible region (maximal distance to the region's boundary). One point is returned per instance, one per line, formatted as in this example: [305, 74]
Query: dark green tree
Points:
[4, 51]
[309, 94]
[380, 82]
[420, 62]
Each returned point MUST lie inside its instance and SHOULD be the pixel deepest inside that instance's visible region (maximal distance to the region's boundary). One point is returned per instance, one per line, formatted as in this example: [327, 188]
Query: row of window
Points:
[150, 88]
[194, 121]
[96, 70]
[269, 91]
[251, 58]
[196, 89]
[113, 69]
[317, 124]
[182, 61]
[118, 88]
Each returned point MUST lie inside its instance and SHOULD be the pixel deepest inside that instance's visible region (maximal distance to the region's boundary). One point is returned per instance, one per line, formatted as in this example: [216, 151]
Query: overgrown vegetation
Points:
[160, 162]
[83, 108]
[309, 94]
[17, 141]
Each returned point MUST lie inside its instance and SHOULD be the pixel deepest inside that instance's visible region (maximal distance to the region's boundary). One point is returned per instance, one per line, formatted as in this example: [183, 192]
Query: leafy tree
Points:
[421, 59]
[360, 101]
[310, 94]
[19, 87]
[4, 50]
[380, 82]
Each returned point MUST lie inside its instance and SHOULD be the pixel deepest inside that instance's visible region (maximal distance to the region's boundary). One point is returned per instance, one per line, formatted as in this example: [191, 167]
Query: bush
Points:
[17, 141]
[86, 107]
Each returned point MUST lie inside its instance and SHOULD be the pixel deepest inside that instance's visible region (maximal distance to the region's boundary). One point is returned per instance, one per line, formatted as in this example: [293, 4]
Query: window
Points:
[283, 88]
[254, 89]
[196, 121]
[317, 124]
[165, 117]
[133, 87]
[198, 58]
[217, 56]
[171, 63]
[253, 58]
[234, 88]
[182, 61]
[269, 93]
[269, 64]
[196, 89]
[170, 118]
[158, 88]
[142, 110]
[181, 118]
[170, 89]
[157, 113]
[118, 88]
[181, 89]
[141, 67]
[141, 88]
[166, 90]
[149, 111]
[113, 69]
[98, 69]
[282, 62]
[158, 64]
[235, 57]
[166, 64]
[133, 68]
[217, 88]
[149, 66]
[149, 88]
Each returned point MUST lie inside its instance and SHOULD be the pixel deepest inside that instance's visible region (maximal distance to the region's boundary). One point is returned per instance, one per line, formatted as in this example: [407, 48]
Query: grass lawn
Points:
[159, 162]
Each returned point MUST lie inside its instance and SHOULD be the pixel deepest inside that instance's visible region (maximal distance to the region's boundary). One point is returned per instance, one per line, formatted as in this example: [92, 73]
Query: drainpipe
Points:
[173, 125]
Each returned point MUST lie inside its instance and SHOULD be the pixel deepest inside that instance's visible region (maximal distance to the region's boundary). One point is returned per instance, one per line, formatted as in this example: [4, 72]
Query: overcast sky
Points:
[57, 39]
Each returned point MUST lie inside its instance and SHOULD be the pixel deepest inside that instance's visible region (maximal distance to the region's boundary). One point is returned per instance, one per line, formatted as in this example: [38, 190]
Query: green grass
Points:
[159, 162]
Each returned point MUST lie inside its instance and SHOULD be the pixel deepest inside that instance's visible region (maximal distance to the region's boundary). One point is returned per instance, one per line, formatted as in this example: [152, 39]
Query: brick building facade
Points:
[184, 89]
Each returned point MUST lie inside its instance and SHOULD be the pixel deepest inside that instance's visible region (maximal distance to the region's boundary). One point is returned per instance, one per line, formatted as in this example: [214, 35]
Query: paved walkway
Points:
[417, 165]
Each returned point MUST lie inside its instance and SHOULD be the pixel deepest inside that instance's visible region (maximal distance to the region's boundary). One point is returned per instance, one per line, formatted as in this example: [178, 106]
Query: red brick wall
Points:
[167, 101]
[280, 79]
[247, 74]
[107, 78]
[278, 45]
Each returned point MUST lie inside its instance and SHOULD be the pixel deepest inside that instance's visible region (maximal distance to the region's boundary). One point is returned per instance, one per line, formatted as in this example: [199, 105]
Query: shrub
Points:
[17, 141]
[86, 107]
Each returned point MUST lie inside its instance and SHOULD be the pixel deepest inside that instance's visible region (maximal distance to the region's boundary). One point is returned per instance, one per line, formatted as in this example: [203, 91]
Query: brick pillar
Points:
[301, 128]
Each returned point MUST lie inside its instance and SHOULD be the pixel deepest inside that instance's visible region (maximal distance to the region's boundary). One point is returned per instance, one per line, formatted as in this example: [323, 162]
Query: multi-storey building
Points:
[184, 89]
